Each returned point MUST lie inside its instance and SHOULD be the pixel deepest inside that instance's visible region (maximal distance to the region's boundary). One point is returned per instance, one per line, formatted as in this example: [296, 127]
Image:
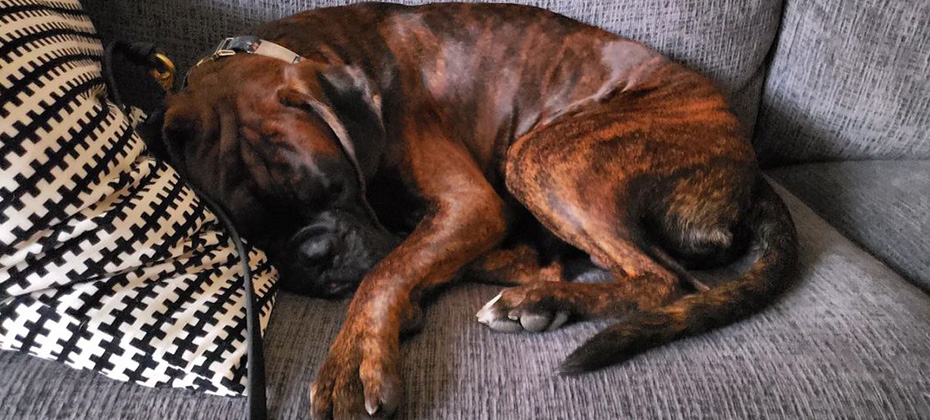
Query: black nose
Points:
[317, 251]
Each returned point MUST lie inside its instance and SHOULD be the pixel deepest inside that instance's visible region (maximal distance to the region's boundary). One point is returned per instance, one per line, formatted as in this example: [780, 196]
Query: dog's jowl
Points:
[386, 149]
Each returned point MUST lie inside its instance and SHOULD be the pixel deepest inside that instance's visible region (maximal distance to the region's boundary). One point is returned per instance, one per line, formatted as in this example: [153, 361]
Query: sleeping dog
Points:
[387, 148]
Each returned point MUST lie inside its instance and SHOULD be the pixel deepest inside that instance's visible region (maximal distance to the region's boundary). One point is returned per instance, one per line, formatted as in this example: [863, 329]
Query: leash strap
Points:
[145, 55]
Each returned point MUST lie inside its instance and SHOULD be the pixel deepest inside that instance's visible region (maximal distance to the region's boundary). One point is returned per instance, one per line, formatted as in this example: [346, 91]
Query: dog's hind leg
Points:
[580, 187]
[515, 266]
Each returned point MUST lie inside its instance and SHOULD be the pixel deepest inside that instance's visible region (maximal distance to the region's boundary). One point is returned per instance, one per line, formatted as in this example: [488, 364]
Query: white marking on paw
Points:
[486, 314]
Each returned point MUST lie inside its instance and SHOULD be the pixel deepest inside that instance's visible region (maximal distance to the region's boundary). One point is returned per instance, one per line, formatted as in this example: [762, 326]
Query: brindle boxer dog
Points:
[459, 128]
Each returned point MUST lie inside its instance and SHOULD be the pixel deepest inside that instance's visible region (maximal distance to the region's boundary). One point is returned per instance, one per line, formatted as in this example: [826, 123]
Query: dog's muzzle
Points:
[329, 257]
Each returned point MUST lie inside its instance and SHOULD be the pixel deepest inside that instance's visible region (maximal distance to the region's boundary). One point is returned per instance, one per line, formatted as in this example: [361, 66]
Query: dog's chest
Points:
[399, 208]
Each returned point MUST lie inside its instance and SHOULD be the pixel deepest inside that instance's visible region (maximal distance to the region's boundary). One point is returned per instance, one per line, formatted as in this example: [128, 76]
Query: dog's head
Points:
[287, 150]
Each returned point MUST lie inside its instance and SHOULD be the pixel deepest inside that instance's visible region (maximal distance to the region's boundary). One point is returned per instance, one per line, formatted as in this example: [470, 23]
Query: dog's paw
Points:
[524, 308]
[358, 380]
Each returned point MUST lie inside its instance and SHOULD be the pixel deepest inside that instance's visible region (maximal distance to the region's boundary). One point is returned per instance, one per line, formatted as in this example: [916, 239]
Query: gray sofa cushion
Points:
[882, 205]
[850, 340]
[849, 80]
[727, 39]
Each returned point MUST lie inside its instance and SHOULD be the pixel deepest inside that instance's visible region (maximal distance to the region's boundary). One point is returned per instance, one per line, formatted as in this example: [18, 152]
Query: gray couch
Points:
[837, 96]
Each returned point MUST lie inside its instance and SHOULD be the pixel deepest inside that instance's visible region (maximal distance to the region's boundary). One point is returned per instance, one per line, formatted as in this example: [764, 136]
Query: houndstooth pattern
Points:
[108, 261]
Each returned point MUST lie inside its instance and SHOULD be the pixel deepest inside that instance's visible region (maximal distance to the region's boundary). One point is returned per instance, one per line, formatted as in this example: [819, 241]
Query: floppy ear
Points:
[180, 124]
[352, 109]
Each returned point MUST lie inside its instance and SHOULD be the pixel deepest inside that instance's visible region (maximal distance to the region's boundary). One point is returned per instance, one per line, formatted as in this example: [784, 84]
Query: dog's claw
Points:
[372, 407]
[560, 318]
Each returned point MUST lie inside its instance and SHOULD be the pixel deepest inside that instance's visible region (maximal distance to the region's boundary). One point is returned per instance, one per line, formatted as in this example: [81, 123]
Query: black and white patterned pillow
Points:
[107, 260]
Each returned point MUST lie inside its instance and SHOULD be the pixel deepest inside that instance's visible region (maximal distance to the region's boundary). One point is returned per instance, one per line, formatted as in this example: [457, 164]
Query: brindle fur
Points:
[463, 118]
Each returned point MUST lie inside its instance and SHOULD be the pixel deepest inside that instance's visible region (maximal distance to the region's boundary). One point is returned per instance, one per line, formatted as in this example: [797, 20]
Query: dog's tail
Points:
[774, 245]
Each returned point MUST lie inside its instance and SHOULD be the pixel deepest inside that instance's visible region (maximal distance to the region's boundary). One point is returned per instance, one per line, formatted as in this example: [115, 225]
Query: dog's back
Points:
[494, 71]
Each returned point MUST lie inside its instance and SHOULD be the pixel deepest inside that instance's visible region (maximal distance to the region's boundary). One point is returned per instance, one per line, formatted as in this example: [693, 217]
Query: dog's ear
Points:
[181, 124]
[351, 107]
[353, 98]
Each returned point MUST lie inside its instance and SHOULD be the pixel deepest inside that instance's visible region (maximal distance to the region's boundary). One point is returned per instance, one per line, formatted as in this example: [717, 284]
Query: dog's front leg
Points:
[359, 376]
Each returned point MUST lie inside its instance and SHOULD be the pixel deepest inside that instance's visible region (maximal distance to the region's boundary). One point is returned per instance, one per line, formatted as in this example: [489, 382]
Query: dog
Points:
[402, 146]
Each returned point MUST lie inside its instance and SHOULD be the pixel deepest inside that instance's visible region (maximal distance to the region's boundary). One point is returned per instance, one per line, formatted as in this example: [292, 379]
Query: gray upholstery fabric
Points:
[849, 80]
[882, 205]
[851, 340]
[726, 39]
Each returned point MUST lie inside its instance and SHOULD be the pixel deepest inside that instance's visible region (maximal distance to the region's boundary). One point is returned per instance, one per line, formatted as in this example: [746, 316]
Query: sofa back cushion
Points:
[725, 39]
[849, 80]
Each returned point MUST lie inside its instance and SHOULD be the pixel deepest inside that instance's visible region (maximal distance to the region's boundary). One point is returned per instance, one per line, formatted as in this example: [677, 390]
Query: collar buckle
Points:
[223, 53]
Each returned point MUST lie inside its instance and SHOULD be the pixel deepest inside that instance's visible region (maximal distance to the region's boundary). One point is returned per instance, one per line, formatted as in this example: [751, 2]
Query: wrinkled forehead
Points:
[249, 76]
[243, 95]
[231, 85]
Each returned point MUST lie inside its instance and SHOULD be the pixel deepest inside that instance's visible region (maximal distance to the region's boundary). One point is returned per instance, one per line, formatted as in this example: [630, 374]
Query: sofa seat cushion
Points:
[850, 340]
[882, 205]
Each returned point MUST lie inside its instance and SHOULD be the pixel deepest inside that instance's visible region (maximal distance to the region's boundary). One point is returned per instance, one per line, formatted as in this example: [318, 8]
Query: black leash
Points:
[145, 55]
